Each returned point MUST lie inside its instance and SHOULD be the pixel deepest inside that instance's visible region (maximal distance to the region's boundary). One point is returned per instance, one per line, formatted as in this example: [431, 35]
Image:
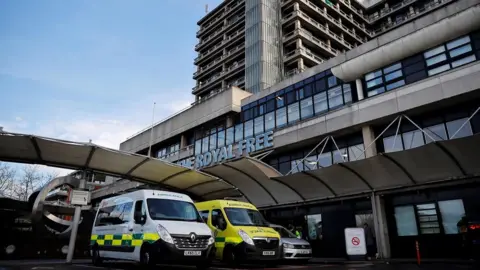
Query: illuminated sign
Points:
[238, 149]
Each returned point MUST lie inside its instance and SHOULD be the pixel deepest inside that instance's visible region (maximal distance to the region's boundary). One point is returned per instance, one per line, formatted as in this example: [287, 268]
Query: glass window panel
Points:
[459, 51]
[205, 145]
[452, 212]
[311, 163]
[375, 91]
[439, 69]
[320, 102]
[437, 59]
[258, 128]
[356, 152]
[293, 113]
[463, 61]
[395, 85]
[325, 160]
[412, 139]
[320, 85]
[434, 51]
[454, 127]
[281, 117]
[213, 141]
[297, 166]
[392, 144]
[335, 97]
[405, 220]
[392, 68]
[221, 138]
[261, 109]
[393, 75]
[248, 129]
[300, 93]
[230, 136]
[280, 101]
[438, 132]
[347, 93]
[284, 167]
[198, 147]
[269, 121]
[426, 206]
[306, 107]
[340, 156]
[458, 42]
[271, 105]
[239, 132]
[373, 75]
[332, 81]
[374, 82]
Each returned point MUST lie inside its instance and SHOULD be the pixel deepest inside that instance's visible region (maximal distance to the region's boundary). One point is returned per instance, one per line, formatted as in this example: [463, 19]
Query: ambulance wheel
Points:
[229, 256]
[96, 259]
[146, 258]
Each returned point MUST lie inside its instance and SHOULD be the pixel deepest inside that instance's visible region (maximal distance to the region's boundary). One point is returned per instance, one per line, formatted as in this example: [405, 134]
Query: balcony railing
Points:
[391, 9]
[304, 51]
[356, 11]
[222, 15]
[219, 59]
[218, 45]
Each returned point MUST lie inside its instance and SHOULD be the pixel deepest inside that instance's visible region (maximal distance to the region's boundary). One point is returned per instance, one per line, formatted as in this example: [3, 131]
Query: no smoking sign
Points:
[355, 241]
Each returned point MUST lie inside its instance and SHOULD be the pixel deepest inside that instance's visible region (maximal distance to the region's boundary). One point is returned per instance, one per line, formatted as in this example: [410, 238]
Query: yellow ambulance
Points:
[241, 233]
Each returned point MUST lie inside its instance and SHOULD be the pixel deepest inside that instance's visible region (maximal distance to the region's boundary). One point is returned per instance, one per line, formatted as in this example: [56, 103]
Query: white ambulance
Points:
[150, 227]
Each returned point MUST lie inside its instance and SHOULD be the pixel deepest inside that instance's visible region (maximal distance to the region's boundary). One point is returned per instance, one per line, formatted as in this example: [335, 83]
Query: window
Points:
[456, 127]
[213, 141]
[238, 132]
[315, 227]
[293, 113]
[204, 215]
[269, 121]
[216, 213]
[384, 79]
[281, 117]
[248, 129]
[296, 165]
[114, 215]
[306, 108]
[452, 212]
[347, 93]
[320, 103]
[335, 98]
[245, 217]
[340, 156]
[392, 144]
[412, 139]
[437, 132]
[356, 152]
[325, 160]
[427, 218]
[332, 81]
[405, 221]
[164, 209]
[221, 138]
[311, 163]
[205, 145]
[230, 136]
[270, 105]
[258, 125]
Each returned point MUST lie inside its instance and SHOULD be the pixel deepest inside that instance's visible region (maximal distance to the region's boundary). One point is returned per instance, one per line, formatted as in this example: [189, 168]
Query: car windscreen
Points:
[245, 217]
[284, 233]
[164, 209]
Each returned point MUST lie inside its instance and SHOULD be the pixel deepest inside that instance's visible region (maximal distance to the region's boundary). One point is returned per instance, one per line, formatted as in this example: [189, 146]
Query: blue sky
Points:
[89, 69]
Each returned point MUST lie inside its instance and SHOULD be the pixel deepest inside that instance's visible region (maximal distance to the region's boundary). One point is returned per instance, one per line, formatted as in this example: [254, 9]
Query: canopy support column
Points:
[380, 225]
[76, 221]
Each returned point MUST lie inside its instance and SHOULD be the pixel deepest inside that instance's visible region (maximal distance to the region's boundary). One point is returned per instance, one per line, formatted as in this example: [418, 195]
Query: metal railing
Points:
[386, 11]
[221, 16]
[218, 45]
[219, 59]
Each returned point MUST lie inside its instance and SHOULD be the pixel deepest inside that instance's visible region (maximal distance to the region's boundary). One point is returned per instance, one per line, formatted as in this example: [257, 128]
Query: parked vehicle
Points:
[293, 247]
[241, 232]
[151, 226]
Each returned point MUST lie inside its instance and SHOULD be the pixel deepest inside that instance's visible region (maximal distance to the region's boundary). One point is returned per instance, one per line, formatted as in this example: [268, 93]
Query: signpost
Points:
[355, 242]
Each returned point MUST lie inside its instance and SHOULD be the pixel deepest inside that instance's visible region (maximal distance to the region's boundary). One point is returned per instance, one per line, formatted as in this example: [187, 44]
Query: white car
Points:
[293, 248]
[151, 226]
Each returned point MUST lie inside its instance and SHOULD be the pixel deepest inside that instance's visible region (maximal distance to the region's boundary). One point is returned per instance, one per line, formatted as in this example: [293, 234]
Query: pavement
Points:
[85, 264]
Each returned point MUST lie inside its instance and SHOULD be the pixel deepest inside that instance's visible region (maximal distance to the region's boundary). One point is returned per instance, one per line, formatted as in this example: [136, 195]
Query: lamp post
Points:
[151, 131]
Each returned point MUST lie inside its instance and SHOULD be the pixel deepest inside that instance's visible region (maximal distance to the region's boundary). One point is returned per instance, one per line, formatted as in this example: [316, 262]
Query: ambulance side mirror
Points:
[139, 217]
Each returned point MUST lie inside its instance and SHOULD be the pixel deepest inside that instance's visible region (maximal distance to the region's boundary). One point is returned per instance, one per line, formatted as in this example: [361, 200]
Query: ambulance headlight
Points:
[245, 237]
[164, 234]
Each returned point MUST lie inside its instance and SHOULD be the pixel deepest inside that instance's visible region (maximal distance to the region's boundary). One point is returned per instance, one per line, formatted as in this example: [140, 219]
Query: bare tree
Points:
[7, 176]
[31, 180]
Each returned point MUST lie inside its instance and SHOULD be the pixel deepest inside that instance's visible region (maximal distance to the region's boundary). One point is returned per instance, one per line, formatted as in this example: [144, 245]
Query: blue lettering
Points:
[198, 161]
[207, 159]
[268, 139]
[250, 146]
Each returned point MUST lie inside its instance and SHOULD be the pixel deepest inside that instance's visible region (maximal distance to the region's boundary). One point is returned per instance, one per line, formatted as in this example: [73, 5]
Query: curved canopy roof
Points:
[432, 163]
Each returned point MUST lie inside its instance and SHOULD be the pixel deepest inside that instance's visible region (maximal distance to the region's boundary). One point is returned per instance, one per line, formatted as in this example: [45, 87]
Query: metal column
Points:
[381, 229]
[76, 221]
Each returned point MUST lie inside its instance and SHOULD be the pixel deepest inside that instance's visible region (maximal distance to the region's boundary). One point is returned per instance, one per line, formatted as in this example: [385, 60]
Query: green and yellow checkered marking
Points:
[127, 240]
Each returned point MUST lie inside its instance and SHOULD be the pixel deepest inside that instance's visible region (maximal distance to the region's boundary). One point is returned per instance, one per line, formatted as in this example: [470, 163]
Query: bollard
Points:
[418, 252]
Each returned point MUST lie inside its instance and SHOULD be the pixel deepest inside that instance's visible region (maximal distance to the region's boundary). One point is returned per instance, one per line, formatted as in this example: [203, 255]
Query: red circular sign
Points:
[355, 241]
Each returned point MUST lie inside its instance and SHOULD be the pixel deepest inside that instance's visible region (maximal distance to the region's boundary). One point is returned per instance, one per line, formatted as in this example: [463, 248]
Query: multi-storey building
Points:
[255, 44]
[384, 133]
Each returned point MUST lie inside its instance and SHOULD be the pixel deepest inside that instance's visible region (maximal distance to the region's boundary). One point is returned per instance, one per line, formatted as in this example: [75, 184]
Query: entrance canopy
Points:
[432, 163]
[23, 148]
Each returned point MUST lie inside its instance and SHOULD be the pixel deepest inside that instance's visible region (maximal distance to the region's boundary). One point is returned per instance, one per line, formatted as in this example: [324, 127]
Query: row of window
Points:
[415, 138]
[170, 150]
[450, 55]
[429, 218]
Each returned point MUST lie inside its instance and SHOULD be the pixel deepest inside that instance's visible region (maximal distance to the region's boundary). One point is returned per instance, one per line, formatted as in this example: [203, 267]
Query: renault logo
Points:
[268, 240]
[193, 237]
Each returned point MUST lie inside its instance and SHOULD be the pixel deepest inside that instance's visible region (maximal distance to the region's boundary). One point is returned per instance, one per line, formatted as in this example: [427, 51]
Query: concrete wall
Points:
[407, 29]
[218, 105]
[446, 85]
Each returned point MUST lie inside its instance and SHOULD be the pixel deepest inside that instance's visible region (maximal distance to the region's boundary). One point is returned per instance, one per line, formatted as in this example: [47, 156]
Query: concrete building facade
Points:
[410, 84]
